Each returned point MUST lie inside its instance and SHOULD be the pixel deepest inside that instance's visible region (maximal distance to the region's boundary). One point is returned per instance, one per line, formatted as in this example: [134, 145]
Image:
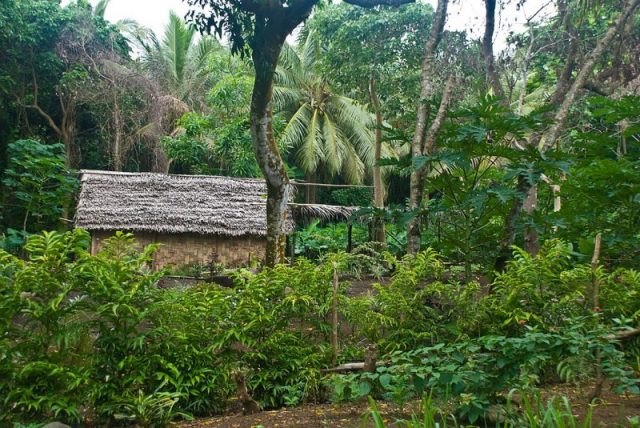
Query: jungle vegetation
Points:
[498, 231]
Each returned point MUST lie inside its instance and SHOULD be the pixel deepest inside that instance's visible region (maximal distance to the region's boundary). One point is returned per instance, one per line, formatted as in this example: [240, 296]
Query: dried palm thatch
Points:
[305, 212]
[173, 204]
[211, 205]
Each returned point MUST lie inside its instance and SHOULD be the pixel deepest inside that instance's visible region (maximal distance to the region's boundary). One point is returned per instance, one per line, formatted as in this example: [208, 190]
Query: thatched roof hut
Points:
[162, 203]
[193, 216]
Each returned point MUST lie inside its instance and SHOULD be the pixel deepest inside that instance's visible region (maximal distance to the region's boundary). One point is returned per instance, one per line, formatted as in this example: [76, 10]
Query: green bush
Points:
[549, 290]
[95, 334]
[418, 306]
[92, 336]
[43, 347]
[474, 374]
[37, 187]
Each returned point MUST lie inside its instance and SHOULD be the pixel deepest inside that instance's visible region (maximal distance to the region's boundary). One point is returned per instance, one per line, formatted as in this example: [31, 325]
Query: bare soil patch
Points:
[610, 411]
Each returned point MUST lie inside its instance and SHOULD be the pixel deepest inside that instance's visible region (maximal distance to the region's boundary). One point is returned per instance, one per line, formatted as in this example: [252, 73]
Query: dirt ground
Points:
[610, 411]
[306, 416]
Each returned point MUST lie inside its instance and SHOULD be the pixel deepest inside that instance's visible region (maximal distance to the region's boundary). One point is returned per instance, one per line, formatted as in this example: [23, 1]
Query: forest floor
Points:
[611, 411]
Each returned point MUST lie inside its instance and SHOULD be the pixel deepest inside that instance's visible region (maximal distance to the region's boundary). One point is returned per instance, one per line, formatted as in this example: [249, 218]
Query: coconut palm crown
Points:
[327, 129]
[179, 61]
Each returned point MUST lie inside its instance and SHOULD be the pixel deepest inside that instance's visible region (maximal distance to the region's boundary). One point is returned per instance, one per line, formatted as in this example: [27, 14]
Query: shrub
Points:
[38, 186]
[474, 374]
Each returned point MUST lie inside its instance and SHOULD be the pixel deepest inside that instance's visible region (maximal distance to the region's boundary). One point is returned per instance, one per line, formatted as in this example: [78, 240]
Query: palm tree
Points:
[129, 28]
[331, 132]
[178, 62]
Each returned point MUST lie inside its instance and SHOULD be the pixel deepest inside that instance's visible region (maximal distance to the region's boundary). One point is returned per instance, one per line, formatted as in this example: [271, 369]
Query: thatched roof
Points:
[172, 203]
[324, 212]
[149, 202]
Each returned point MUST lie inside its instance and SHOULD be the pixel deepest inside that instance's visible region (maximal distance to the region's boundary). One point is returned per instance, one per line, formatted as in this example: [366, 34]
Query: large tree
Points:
[43, 70]
[261, 28]
[424, 137]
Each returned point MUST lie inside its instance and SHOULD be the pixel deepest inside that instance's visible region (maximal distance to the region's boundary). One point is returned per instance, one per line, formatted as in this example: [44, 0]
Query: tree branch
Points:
[37, 108]
[561, 117]
[438, 121]
[593, 87]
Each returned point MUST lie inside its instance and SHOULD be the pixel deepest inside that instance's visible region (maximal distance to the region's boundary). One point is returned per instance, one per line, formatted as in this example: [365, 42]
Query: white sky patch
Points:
[463, 15]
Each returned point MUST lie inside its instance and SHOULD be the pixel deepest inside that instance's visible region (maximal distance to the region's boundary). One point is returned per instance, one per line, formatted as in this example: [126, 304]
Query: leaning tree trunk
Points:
[561, 117]
[378, 189]
[265, 59]
[487, 48]
[427, 90]
[569, 96]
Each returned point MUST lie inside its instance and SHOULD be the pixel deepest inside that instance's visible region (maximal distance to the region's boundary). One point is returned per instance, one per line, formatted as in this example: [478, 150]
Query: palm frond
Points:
[310, 52]
[284, 77]
[352, 167]
[201, 53]
[289, 58]
[356, 123]
[310, 153]
[295, 131]
[388, 151]
[176, 43]
[134, 32]
[333, 155]
[286, 98]
[147, 42]
[350, 112]
[100, 8]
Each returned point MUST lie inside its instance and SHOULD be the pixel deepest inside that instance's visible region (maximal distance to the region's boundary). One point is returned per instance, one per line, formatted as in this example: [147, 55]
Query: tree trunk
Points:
[117, 140]
[487, 48]
[271, 23]
[427, 91]
[265, 59]
[311, 190]
[335, 345]
[419, 175]
[414, 234]
[509, 235]
[595, 298]
[378, 187]
[67, 137]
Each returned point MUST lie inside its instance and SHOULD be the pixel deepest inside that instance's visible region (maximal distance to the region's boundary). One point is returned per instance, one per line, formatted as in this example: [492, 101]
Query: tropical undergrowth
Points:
[93, 338]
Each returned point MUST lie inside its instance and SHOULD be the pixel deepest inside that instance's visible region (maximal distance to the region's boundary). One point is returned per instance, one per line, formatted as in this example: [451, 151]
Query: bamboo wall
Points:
[190, 248]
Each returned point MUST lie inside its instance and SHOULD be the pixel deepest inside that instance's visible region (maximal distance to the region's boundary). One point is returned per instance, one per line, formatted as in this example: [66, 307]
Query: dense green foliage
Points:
[95, 334]
[38, 188]
[504, 294]
[95, 330]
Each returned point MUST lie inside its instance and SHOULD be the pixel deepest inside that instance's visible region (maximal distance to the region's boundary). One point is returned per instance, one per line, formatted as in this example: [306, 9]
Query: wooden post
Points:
[334, 315]
[595, 298]
[594, 277]
[349, 237]
[370, 358]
